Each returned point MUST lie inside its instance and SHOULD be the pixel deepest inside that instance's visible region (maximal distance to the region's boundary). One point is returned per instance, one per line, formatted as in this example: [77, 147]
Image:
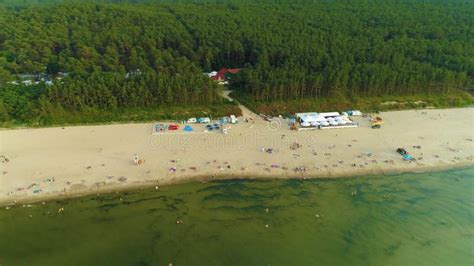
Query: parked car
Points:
[204, 120]
[209, 127]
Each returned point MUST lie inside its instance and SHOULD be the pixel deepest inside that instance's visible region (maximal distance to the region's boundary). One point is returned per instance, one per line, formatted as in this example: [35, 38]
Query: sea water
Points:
[409, 219]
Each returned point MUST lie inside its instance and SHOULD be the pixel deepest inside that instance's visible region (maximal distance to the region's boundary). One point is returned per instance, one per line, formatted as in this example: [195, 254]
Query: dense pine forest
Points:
[94, 61]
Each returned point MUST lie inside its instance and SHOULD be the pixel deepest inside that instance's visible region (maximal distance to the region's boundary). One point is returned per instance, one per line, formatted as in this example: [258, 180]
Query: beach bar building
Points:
[313, 120]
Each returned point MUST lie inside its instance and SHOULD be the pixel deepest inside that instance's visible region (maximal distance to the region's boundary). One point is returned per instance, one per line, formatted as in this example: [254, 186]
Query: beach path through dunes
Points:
[246, 113]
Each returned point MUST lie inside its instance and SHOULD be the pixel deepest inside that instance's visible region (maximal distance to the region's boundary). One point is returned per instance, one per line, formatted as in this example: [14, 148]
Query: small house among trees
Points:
[225, 74]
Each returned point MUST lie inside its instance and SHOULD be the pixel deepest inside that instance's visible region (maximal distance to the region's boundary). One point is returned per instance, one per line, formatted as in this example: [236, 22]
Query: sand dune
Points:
[50, 162]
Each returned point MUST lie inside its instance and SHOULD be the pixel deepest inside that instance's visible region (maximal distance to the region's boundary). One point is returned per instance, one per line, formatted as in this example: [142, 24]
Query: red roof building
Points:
[221, 74]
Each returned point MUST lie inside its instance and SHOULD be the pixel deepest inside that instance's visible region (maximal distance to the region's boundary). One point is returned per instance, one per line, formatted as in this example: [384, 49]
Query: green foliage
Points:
[367, 104]
[301, 51]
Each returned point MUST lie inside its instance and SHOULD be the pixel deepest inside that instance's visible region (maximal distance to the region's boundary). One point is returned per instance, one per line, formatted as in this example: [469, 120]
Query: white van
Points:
[204, 120]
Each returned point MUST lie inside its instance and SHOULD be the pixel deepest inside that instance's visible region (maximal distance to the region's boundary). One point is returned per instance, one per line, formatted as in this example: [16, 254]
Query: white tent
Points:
[330, 114]
[321, 119]
[307, 117]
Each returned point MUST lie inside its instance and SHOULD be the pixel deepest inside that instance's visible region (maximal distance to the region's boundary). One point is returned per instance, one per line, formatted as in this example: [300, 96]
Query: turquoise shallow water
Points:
[410, 219]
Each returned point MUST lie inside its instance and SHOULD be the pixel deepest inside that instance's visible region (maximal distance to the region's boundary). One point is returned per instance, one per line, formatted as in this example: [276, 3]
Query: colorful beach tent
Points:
[188, 128]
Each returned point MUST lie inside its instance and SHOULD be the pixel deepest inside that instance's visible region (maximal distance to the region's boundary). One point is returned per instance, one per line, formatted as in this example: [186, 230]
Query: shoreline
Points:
[150, 184]
[52, 163]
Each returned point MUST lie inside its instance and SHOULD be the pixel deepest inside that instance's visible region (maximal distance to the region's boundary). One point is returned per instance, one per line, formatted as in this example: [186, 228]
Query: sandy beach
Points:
[70, 161]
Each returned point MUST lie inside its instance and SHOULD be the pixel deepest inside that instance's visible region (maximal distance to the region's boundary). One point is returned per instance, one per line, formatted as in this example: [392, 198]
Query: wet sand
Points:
[70, 161]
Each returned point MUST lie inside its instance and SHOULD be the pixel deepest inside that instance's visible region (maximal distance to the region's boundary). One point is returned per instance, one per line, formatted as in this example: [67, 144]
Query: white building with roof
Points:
[326, 120]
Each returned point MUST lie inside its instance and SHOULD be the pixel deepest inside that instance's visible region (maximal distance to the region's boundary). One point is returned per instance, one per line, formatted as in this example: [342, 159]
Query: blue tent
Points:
[188, 128]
